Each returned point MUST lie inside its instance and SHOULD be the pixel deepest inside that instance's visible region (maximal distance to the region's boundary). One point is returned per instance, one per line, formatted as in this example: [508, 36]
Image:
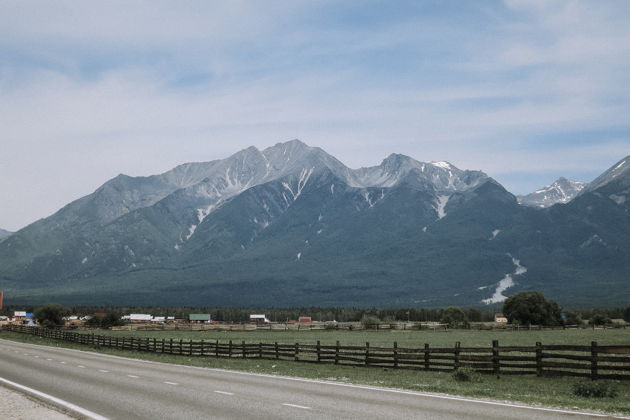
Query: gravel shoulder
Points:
[17, 406]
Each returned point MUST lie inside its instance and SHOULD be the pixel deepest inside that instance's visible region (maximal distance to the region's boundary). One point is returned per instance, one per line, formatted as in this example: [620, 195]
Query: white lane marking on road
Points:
[133, 376]
[103, 371]
[63, 363]
[49, 359]
[223, 393]
[296, 406]
[25, 354]
[171, 383]
[289, 378]
[36, 356]
[87, 413]
[81, 366]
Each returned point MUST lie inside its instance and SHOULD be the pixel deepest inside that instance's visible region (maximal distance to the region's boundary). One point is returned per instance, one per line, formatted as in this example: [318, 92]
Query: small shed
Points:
[199, 318]
[305, 320]
[500, 318]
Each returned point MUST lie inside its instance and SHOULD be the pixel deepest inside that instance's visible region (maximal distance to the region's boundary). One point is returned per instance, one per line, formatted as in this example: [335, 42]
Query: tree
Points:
[51, 315]
[370, 321]
[531, 307]
[454, 317]
[107, 321]
[626, 314]
[572, 318]
[599, 319]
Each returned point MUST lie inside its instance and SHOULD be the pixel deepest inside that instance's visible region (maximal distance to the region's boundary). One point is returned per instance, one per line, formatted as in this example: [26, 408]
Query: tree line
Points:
[524, 308]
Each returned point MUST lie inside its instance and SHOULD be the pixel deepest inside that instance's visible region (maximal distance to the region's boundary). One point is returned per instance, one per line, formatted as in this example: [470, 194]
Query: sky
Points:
[526, 91]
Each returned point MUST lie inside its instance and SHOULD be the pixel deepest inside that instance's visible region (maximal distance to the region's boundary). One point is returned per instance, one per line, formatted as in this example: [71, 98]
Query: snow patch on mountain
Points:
[305, 174]
[495, 233]
[619, 199]
[191, 232]
[505, 283]
[442, 164]
[593, 239]
[440, 204]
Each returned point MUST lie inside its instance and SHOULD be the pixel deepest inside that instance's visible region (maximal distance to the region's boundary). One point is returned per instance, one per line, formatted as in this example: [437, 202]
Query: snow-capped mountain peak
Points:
[560, 191]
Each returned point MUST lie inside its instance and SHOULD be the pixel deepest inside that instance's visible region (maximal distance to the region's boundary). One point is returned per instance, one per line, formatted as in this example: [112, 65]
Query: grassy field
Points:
[468, 338]
[527, 389]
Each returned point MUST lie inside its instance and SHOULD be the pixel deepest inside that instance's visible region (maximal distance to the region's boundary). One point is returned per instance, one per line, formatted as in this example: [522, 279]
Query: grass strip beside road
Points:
[553, 392]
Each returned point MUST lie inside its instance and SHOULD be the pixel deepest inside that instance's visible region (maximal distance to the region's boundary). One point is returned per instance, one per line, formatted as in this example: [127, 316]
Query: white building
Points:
[259, 319]
[140, 317]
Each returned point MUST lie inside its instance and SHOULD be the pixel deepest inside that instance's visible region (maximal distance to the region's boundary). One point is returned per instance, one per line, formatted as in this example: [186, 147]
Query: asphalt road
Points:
[121, 388]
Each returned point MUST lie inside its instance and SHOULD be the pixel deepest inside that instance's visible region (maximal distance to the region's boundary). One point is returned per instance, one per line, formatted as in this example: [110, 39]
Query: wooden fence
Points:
[592, 361]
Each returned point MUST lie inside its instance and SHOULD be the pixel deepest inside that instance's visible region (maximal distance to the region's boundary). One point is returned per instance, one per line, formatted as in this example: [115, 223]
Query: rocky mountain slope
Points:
[291, 225]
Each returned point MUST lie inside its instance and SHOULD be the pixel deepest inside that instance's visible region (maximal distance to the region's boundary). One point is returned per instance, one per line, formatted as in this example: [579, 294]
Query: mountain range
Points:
[292, 226]
[4, 234]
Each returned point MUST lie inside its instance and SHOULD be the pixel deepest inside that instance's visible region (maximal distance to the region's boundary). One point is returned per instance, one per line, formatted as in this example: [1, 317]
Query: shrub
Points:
[51, 315]
[466, 374]
[595, 389]
[370, 321]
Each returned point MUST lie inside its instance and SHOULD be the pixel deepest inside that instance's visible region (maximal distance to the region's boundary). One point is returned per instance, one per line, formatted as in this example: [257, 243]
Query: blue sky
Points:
[525, 90]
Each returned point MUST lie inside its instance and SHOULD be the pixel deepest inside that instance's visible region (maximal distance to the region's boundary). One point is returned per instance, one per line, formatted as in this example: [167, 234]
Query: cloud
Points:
[87, 92]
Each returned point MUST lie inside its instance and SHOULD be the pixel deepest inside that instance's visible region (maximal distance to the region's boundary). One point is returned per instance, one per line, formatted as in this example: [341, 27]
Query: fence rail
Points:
[593, 361]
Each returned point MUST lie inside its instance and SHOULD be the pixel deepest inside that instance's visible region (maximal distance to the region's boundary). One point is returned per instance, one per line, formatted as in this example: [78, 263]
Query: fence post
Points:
[244, 355]
[319, 358]
[456, 356]
[163, 344]
[539, 367]
[181, 346]
[276, 348]
[367, 353]
[190, 347]
[426, 356]
[395, 354]
[496, 368]
[170, 347]
[260, 355]
[296, 354]
[201, 354]
[593, 360]
[216, 349]
[337, 353]
[230, 349]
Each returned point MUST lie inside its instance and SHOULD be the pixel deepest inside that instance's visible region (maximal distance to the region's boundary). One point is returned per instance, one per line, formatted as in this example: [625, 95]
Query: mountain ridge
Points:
[292, 224]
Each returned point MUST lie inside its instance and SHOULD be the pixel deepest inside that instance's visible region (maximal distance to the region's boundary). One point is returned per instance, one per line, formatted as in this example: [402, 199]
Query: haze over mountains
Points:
[291, 225]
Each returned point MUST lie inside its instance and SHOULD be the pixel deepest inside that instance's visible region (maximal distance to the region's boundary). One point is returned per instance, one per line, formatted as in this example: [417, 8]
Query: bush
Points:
[370, 321]
[599, 319]
[466, 374]
[595, 389]
[454, 317]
